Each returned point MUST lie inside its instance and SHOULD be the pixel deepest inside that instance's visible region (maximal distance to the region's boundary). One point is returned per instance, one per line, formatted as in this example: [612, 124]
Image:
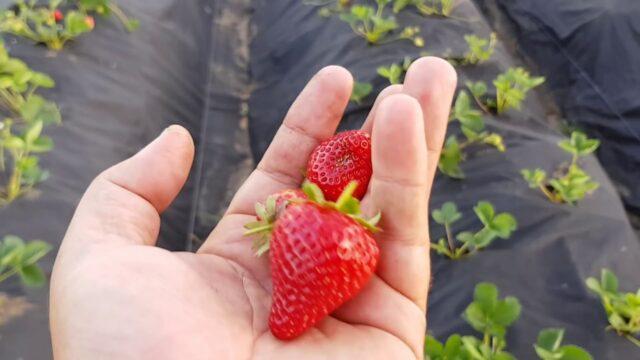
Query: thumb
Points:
[123, 204]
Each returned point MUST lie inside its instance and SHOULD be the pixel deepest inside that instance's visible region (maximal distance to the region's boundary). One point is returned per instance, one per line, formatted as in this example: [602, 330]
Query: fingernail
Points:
[178, 129]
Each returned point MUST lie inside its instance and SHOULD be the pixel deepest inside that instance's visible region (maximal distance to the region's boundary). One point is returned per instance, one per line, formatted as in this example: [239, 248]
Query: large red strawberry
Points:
[322, 254]
[339, 160]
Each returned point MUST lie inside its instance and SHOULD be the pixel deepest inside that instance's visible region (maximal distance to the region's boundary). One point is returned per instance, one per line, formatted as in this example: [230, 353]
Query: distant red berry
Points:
[58, 15]
[339, 160]
[90, 21]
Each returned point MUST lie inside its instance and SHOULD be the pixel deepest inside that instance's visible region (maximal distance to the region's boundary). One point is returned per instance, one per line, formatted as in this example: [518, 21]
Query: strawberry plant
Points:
[395, 72]
[340, 160]
[511, 86]
[549, 347]
[322, 254]
[330, 7]
[622, 309]
[53, 27]
[20, 258]
[26, 115]
[106, 8]
[480, 49]
[494, 226]
[488, 315]
[373, 23]
[45, 24]
[473, 128]
[361, 91]
[570, 185]
[426, 7]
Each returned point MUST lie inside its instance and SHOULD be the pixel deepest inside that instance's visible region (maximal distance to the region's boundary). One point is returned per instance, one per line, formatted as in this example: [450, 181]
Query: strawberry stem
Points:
[259, 229]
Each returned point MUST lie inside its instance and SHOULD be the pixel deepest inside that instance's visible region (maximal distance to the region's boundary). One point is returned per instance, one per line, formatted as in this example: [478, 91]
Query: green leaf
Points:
[469, 117]
[42, 80]
[495, 140]
[478, 89]
[503, 225]
[14, 66]
[572, 352]
[11, 251]
[486, 295]
[579, 144]
[132, 25]
[36, 108]
[432, 347]
[76, 23]
[14, 142]
[489, 315]
[447, 214]
[360, 91]
[34, 251]
[450, 159]
[507, 311]
[399, 5]
[550, 339]
[609, 281]
[42, 144]
[33, 132]
[534, 178]
[466, 237]
[32, 275]
[485, 212]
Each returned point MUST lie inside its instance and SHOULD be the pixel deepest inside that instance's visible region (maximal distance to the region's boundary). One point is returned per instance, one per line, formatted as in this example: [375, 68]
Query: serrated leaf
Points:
[550, 339]
[33, 132]
[485, 212]
[432, 347]
[34, 251]
[466, 237]
[503, 225]
[572, 352]
[32, 275]
[507, 311]
[609, 281]
[42, 80]
[447, 214]
[486, 295]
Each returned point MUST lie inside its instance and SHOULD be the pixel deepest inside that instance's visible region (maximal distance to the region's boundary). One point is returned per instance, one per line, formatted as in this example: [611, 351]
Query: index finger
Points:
[313, 117]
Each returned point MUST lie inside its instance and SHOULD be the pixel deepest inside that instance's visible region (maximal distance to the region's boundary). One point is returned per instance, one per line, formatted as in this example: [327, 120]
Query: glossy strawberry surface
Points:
[320, 258]
[339, 160]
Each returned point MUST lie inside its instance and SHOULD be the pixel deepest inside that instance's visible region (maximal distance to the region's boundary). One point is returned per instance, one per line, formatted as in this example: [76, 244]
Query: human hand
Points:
[114, 295]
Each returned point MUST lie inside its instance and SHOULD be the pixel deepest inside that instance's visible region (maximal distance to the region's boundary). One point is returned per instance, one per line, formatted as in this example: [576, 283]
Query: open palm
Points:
[116, 296]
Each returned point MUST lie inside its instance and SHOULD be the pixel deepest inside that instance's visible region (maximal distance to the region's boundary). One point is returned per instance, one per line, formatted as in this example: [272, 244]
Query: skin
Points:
[114, 295]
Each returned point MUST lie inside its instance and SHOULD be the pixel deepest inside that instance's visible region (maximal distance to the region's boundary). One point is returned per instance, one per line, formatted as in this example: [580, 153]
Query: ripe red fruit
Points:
[58, 16]
[322, 254]
[338, 161]
[90, 21]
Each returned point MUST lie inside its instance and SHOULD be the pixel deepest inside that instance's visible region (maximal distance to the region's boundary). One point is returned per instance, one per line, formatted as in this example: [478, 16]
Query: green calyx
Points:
[268, 213]
[346, 204]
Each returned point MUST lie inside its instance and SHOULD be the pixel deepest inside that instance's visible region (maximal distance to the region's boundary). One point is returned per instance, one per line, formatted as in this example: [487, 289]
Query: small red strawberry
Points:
[322, 254]
[58, 16]
[339, 160]
[90, 21]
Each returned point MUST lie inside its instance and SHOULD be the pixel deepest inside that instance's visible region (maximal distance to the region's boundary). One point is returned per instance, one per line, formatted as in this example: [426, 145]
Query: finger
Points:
[123, 203]
[313, 117]
[432, 81]
[399, 188]
[386, 92]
